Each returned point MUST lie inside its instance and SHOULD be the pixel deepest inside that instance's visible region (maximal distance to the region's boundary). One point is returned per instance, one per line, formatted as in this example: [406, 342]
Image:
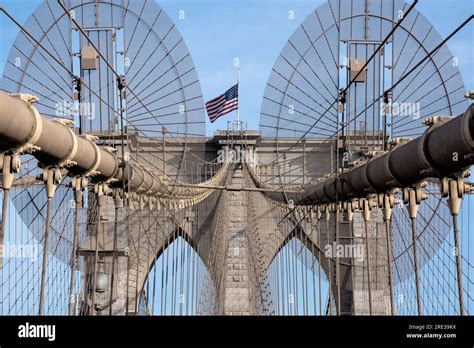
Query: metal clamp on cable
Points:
[9, 164]
[51, 177]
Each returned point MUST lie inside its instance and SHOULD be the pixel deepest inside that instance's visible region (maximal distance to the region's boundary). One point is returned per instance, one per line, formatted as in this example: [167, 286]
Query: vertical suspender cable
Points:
[98, 229]
[117, 200]
[366, 211]
[416, 265]
[4, 219]
[458, 265]
[78, 198]
[45, 255]
[50, 176]
[155, 268]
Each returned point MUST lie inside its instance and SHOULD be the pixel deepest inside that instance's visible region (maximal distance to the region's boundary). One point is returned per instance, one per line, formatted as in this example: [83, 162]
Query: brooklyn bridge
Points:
[353, 197]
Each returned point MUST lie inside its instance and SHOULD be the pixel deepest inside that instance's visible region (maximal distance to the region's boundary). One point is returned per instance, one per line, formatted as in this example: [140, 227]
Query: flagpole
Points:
[238, 88]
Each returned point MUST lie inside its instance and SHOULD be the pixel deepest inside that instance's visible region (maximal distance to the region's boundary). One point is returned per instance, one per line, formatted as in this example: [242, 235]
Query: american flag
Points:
[223, 104]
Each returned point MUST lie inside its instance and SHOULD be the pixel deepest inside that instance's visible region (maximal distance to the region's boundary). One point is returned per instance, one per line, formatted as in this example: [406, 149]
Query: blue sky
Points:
[255, 31]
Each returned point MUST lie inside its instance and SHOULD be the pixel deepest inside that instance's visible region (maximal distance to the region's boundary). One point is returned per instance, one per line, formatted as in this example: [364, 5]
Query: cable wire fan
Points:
[162, 104]
[300, 102]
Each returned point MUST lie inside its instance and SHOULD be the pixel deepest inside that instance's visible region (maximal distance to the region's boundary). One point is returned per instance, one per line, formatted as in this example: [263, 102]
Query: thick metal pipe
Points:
[17, 122]
[21, 124]
[444, 149]
[53, 142]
